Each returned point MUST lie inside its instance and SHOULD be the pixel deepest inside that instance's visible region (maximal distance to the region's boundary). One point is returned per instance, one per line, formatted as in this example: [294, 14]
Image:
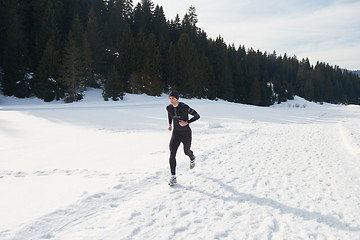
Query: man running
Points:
[178, 115]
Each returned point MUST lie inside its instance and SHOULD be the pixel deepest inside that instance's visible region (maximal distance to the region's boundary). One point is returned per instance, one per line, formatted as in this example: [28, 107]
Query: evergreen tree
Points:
[175, 29]
[86, 71]
[77, 31]
[161, 30]
[46, 84]
[137, 81]
[139, 19]
[219, 58]
[5, 22]
[44, 27]
[189, 22]
[188, 64]
[339, 90]
[207, 87]
[15, 62]
[318, 82]
[236, 62]
[113, 87]
[309, 89]
[152, 69]
[116, 20]
[147, 7]
[172, 70]
[144, 17]
[97, 48]
[88, 74]
[71, 71]
[303, 74]
[128, 11]
[255, 92]
[127, 56]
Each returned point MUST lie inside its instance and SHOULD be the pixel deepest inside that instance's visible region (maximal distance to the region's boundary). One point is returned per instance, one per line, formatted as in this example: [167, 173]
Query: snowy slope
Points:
[99, 170]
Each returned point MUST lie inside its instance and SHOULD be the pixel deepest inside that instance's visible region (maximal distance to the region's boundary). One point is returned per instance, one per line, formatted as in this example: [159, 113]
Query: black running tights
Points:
[177, 138]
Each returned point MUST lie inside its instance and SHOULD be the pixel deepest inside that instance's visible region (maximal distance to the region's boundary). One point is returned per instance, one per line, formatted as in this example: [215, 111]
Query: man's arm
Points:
[195, 115]
[170, 119]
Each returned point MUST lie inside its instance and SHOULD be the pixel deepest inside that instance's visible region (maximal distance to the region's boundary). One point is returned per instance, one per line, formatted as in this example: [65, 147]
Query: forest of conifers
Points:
[55, 49]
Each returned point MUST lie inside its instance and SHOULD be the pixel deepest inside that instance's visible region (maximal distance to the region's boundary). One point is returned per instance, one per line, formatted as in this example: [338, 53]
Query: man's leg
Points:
[174, 145]
[186, 140]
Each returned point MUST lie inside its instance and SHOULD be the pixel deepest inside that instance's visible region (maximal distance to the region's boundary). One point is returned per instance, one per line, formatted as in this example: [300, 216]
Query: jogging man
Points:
[178, 116]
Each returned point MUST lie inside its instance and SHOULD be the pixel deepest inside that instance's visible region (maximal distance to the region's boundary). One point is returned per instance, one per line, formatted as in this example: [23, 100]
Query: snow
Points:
[99, 170]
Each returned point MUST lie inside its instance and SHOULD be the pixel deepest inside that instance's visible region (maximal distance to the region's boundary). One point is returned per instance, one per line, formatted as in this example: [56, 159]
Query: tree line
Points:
[55, 49]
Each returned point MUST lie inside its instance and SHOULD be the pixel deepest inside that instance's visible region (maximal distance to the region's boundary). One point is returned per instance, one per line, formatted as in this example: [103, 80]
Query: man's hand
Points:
[170, 127]
[182, 123]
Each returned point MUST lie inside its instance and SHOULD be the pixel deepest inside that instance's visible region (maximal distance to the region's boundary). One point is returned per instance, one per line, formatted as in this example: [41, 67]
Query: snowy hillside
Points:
[99, 170]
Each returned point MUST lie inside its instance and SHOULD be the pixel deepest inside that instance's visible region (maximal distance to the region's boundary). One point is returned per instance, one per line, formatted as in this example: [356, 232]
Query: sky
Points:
[321, 30]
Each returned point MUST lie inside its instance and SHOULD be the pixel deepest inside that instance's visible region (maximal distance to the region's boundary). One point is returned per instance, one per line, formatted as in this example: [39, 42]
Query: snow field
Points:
[99, 170]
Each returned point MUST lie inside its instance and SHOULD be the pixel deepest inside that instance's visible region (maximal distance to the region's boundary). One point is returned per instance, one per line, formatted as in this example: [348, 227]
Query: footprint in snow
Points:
[135, 231]
[184, 213]
[134, 214]
[117, 186]
[41, 173]
[19, 174]
[47, 236]
[95, 196]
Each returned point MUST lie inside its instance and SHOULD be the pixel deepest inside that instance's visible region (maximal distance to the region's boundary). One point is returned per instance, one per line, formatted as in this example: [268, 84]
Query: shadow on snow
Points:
[239, 197]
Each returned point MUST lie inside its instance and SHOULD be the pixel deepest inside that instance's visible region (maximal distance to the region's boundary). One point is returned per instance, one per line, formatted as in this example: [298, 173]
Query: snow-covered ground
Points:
[99, 170]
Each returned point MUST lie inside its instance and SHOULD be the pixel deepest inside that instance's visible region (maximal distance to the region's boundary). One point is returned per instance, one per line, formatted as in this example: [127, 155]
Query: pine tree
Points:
[303, 74]
[88, 67]
[255, 92]
[5, 22]
[189, 23]
[147, 7]
[128, 11]
[161, 30]
[44, 27]
[46, 84]
[152, 70]
[175, 29]
[137, 80]
[309, 90]
[318, 82]
[207, 87]
[172, 69]
[97, 48]
[77, 31]
[45, 78]
[113, 87]
[15, 59]
[116, 20]
[236, 61]
[139, 19]
[71, 71]
[86, 72]
[127, 55]
[222, 70]
[189, 65]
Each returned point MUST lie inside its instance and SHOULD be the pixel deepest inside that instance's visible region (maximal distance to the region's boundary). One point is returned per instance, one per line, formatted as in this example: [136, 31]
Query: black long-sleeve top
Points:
[181, 113]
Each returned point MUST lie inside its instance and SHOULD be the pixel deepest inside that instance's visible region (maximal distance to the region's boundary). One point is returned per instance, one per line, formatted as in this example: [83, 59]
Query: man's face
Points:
[173, 100]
